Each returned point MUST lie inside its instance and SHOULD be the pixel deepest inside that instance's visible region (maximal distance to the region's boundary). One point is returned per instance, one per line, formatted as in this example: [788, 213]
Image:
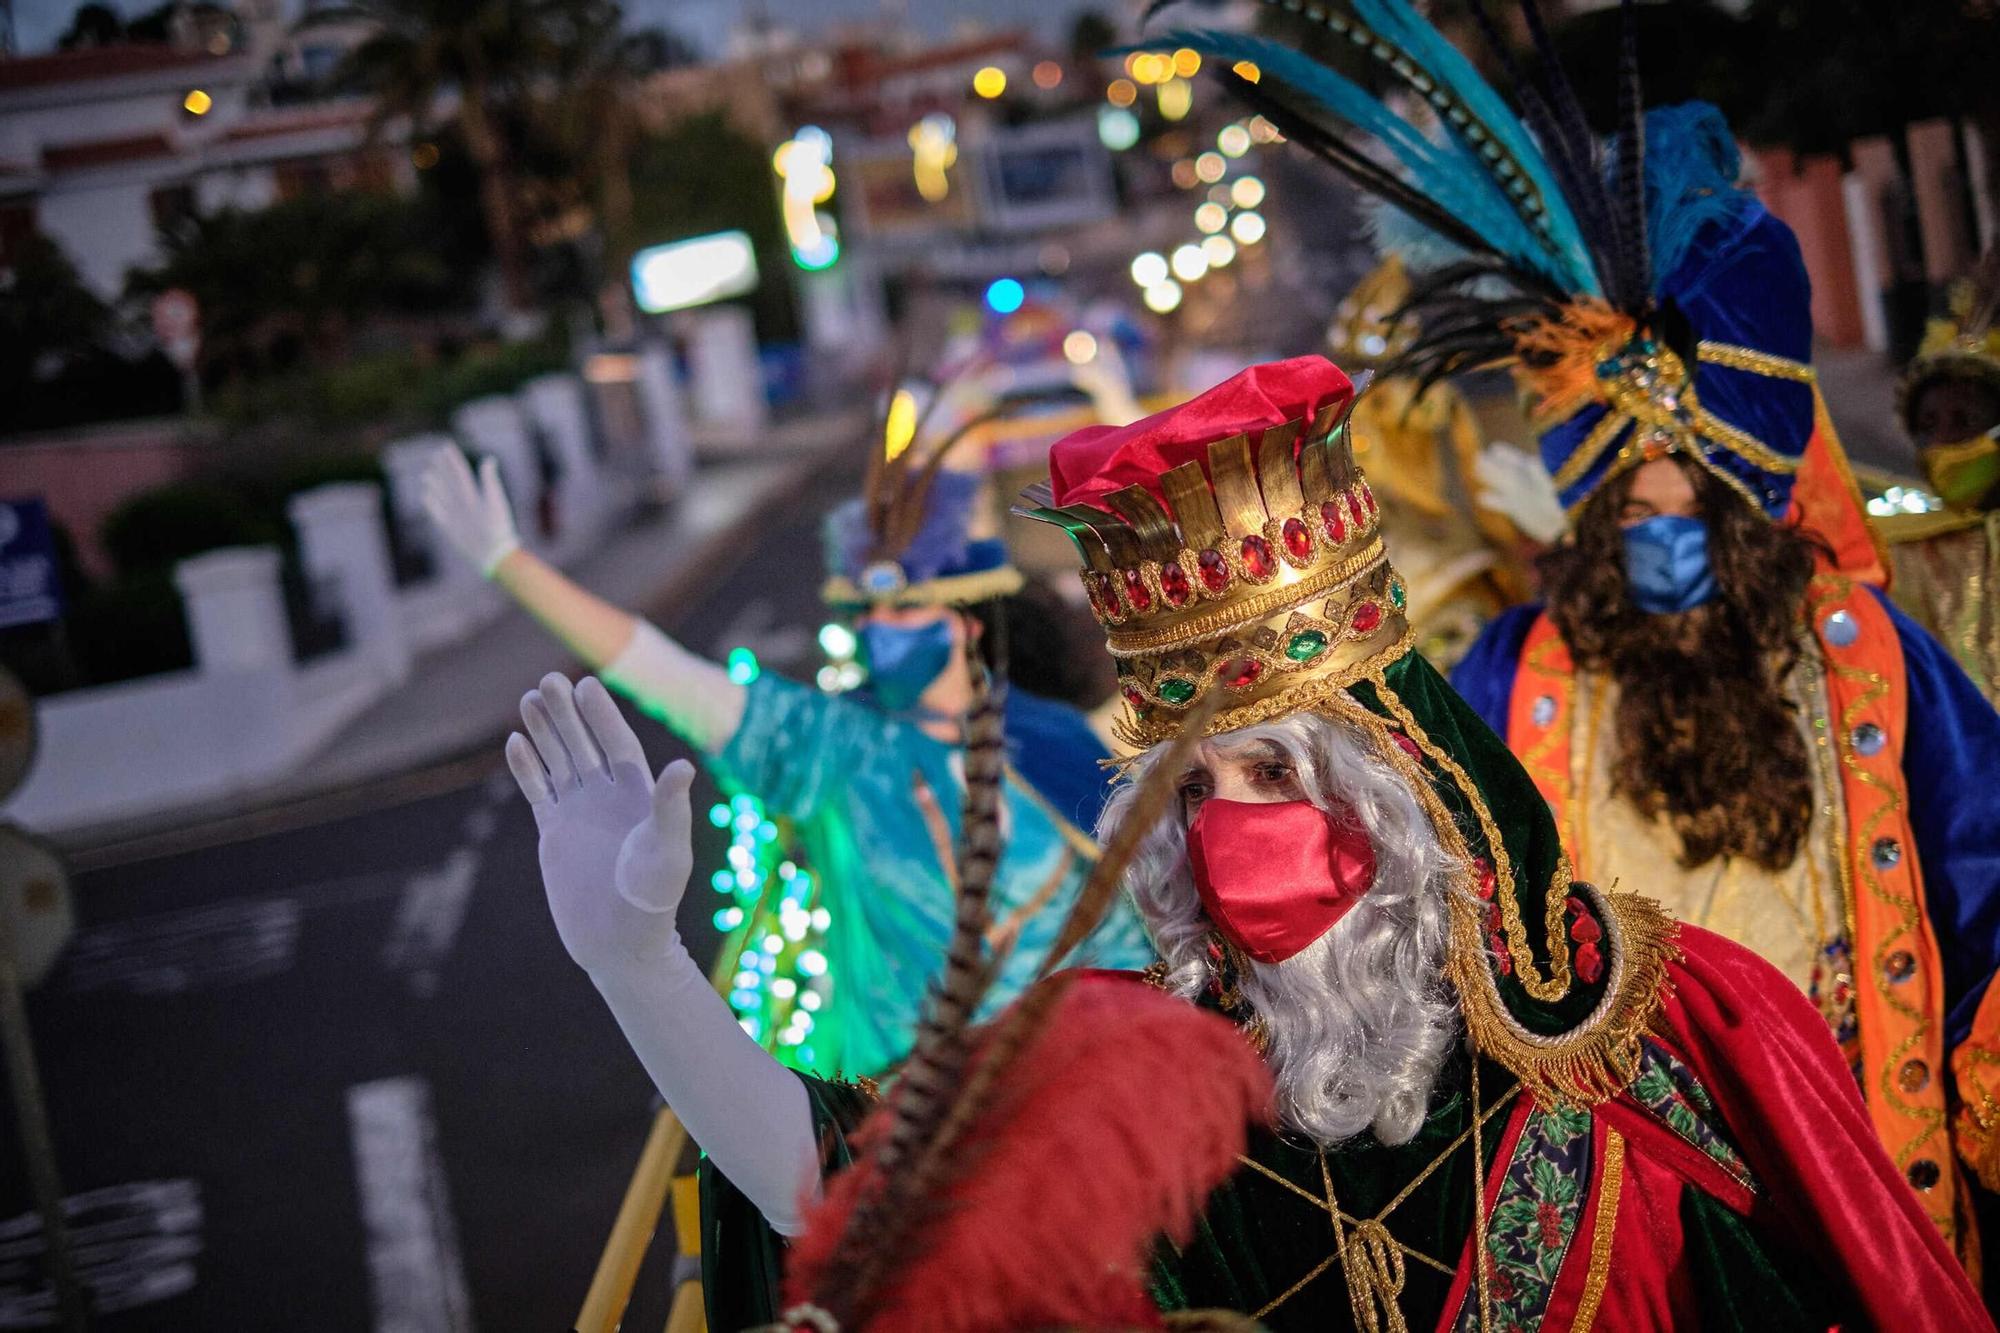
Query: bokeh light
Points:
[1189, 263]
[1210, 167]
[1246, 192]
[1117, 128]
[1211, 217]
[1234, 141]
[990, 82]
[1220, 251]
[1247, 228]
[1079, 347]
[1149, 268]
[1163, 297]
[1005, 296]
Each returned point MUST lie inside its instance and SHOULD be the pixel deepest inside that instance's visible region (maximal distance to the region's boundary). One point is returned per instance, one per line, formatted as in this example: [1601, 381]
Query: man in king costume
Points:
[1505, 1100]
[871, 781]
[1715, 709]
[1721, 708]
[1947, 561]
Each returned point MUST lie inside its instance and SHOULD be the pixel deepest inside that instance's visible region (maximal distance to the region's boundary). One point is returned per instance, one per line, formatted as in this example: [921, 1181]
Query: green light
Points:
[743, 666]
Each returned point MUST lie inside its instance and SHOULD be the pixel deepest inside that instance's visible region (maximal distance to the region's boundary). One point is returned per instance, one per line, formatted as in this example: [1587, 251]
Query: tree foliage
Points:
[295, 281]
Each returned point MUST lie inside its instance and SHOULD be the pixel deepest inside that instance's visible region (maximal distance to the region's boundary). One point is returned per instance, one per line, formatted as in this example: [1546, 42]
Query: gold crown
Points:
[1263, 575]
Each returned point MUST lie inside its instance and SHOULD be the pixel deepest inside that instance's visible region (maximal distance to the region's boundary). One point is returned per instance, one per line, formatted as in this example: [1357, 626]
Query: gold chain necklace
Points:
[1372, 1260]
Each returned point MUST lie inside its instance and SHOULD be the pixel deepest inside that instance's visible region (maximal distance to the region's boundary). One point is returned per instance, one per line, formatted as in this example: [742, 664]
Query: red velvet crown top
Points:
[1090, 464]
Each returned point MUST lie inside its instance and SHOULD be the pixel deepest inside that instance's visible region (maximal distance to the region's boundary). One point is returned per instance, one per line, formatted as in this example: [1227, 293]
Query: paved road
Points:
[342, 1076]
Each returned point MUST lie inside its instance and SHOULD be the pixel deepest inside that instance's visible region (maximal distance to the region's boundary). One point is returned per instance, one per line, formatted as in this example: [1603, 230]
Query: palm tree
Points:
[487, 51]
[587, 104]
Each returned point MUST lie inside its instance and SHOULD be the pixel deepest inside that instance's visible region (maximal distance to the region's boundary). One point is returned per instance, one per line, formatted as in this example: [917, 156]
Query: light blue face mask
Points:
[1666, 564]
[902, 661]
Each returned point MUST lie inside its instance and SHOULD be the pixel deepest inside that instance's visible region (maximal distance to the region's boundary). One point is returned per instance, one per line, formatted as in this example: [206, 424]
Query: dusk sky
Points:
[38, 23]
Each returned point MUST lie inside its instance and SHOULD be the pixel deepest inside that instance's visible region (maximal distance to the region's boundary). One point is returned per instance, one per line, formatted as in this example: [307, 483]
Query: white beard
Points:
[1361, 1020]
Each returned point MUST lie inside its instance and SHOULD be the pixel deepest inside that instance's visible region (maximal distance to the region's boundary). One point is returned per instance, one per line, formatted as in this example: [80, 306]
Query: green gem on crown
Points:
[1305, 645]
[1175, 690]
[1396, 594]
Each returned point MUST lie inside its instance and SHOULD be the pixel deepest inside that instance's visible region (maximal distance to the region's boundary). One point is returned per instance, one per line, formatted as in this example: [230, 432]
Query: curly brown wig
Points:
[1706, 735]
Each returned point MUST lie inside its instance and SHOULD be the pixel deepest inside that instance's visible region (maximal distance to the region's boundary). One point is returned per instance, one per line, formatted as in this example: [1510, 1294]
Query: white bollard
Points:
[405, 461]
[669, 446]
[493, 427]
[555, 403]
[341, 541]
[728, 381]
[235, 610]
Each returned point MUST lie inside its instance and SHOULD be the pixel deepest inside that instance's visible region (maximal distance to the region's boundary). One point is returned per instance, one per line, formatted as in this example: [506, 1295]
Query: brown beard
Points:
[1706, 735]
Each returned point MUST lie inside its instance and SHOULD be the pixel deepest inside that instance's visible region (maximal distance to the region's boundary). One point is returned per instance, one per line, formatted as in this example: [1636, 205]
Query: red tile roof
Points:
[268, 123]
[93, 63]
[106, 152]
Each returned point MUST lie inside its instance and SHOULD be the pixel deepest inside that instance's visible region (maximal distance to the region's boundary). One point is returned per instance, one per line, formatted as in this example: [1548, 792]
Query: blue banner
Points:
[30, 589]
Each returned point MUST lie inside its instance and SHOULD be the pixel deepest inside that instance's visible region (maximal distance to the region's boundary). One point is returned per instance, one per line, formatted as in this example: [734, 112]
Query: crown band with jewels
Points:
[1258, 570]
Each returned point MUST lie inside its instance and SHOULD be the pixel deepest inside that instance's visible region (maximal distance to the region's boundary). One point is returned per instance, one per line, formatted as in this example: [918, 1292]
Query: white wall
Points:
[104, 231]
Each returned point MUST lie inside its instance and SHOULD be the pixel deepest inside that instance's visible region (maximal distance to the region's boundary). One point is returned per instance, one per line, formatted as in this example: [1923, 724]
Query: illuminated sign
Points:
[693, 272]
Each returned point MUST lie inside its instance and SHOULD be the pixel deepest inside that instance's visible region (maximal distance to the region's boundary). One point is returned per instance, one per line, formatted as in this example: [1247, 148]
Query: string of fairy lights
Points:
[771, 916]
[771, 919]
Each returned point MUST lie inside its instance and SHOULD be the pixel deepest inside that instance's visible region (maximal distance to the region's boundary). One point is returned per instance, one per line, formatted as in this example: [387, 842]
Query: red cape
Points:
[1768, 1060]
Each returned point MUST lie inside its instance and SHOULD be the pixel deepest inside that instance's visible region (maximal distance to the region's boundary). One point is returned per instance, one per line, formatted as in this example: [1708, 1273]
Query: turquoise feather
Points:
[1402, 27]
[1453, 173]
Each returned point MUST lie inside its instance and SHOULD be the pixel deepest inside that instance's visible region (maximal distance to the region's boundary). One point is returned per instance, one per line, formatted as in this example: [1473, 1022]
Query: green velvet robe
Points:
[1258, 1240]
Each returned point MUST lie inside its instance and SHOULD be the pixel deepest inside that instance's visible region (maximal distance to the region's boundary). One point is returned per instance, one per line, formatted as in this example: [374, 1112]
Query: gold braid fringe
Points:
[1556, 984]
[1594, 1061]
[1599, 1057]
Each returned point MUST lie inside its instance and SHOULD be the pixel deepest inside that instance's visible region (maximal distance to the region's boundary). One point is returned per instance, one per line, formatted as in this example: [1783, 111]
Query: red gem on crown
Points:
[1258, 557]
[1367, 618]
[1214, 570]
[1174, 584]
[1335, 524]
[1135, 589]
[1240, 673]
[1298, 538]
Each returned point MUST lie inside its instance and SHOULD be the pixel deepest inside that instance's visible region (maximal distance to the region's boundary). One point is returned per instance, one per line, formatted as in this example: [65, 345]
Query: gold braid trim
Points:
[1594, 1061]
[1556, 985]
[1587, 453]
[1707, 426]
[1598, 1276]
[1735, 357]
[952, 590]
[1743, 443]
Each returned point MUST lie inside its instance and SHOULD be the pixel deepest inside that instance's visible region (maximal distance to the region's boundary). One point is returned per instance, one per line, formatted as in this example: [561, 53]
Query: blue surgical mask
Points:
[903, 660]
[1666, 564]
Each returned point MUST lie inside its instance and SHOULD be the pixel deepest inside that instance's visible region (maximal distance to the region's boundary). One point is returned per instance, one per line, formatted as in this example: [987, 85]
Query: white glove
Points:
[1513, 482]
[473, 516]
[615, 855]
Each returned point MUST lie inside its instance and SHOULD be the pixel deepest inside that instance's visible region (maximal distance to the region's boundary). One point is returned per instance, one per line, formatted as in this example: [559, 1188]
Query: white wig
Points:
[1360, 1021]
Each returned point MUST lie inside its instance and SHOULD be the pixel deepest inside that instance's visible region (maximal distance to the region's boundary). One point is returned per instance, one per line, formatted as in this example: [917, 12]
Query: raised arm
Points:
[615, 857]
[691, 694]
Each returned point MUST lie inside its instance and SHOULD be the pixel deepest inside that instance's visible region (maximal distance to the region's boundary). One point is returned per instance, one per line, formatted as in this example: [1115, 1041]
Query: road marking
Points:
[413, 1261]
[135, 1244]
[428, 919]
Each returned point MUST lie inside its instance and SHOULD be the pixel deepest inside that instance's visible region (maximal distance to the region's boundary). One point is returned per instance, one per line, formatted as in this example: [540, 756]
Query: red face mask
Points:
[1276, 876]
